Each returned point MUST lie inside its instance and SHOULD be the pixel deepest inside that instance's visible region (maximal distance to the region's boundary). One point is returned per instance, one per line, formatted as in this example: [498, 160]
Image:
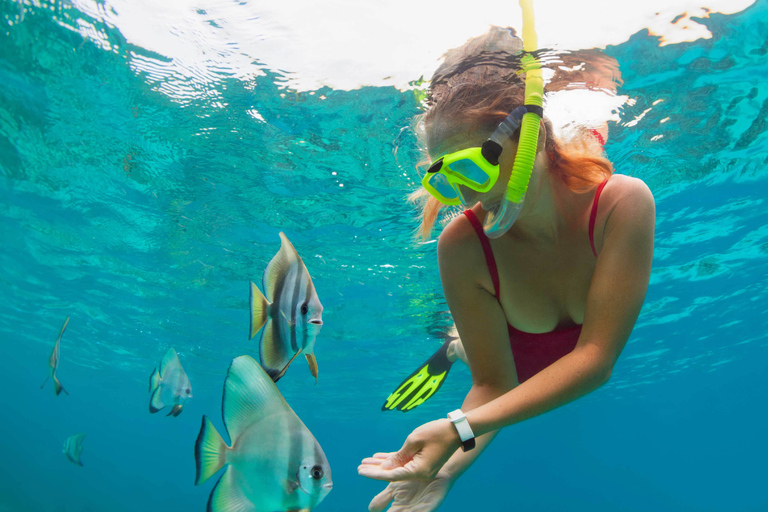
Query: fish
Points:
[274, 463]
[291, 313]
[73, 448]
[53, 363]
[169, 385]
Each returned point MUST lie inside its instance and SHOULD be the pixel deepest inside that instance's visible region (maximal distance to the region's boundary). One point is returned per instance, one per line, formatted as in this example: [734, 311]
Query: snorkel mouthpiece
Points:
[500, 219]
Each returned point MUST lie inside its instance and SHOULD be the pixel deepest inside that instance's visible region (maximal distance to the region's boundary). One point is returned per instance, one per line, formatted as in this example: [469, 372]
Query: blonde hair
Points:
[476, 87]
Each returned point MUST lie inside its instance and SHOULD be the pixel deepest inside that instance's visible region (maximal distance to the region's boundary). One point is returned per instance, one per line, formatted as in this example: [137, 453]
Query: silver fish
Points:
[73, 448]
[291, 313]
[169, 385]
[275, 463]
[53, 363]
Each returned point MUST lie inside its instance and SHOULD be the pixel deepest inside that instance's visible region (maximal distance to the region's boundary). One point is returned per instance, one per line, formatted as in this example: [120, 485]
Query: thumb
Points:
[401, 457]
[381, 500]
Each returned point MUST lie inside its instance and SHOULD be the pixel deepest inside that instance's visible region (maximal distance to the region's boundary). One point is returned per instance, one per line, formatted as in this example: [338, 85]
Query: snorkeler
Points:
[544, 273]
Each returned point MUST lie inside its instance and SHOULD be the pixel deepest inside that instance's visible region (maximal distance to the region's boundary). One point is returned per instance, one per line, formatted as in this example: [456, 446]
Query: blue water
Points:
[143, 216]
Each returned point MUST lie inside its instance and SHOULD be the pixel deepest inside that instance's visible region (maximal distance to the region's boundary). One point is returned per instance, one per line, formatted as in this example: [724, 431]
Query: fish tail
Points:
[59, 387]
[210, 452]
[259, 310]
[421, 384]
[154, 380]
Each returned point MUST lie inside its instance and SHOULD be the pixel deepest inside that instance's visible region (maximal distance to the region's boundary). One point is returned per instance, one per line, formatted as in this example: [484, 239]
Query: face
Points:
[315, 479]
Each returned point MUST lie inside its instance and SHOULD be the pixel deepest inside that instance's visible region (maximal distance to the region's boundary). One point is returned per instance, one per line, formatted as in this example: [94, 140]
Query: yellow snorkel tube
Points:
[500, 219]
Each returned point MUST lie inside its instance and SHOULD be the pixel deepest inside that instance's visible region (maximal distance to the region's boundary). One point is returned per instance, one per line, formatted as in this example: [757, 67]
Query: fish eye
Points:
[316, 472]
[188, 391]
[304, 308]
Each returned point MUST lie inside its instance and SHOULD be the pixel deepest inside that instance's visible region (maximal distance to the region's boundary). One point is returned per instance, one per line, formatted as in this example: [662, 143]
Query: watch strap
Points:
[459, 420]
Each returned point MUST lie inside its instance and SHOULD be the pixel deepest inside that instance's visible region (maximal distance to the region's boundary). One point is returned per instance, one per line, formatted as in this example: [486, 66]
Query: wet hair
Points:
[476, 87]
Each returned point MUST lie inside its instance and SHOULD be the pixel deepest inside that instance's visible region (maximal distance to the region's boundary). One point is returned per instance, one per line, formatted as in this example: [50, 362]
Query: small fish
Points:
[73, 447]
[169, 385]
[291, 313]
[275, 463]
[53, 364]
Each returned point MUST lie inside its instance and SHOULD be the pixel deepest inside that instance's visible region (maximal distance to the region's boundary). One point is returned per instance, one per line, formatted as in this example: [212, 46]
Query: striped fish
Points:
[73, 448]
[53, 363]
[169, 385]
[274, 462]
[291, 313]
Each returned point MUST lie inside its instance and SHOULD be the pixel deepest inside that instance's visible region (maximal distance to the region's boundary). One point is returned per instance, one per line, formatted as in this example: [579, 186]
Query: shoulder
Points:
[627, 212]
[460, 253]
[459, 240]
[629, 201]
[626, 206]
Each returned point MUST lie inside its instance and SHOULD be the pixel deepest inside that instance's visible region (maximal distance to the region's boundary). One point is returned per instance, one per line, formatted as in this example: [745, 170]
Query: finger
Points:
[377, 458]
[381, 500]
[388, 475]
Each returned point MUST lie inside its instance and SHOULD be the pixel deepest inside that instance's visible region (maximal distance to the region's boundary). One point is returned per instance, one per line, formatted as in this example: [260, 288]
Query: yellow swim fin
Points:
[421, 384]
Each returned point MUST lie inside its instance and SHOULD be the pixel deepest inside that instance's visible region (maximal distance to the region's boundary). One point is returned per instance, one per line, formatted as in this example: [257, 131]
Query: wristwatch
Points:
[459, 420]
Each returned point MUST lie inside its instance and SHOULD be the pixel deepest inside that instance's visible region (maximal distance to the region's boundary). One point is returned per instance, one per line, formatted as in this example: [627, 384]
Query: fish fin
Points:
[155, 401]
[289, 486]
[259, 310]
[273, 353]
[249, 396]
[154, 380]
[210, 452]
[175, 410]
[59, 388]
[421, 384]
[312, 365]
[170, 357]
[228, 496]
[278, 266]
[63, 327]
[279, 375]
[44, 382]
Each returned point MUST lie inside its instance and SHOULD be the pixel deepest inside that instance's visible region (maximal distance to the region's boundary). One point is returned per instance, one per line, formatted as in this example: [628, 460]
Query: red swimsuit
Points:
[535, 351]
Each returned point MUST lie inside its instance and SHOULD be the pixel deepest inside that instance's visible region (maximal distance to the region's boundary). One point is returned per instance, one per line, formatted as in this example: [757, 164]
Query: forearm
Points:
[571, 377]
[460, 461]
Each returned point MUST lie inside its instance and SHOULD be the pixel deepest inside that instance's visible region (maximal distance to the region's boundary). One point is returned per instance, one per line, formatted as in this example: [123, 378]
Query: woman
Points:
[544, 310]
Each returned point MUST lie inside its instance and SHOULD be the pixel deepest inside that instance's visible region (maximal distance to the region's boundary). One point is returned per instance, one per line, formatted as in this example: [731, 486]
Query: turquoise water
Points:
[144, 217]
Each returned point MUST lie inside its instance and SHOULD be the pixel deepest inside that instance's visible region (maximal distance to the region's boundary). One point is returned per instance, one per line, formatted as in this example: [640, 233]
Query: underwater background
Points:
[143, 215]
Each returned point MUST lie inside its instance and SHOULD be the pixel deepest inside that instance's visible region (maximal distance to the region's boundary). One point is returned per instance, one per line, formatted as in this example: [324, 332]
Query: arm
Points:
[615, 297]
[482, 327]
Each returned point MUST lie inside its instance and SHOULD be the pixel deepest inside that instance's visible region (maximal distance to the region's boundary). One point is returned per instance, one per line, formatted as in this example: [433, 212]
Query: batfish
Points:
[169, 385]
[291, 313]
[53, 363]
[73, 448]
[275, 464]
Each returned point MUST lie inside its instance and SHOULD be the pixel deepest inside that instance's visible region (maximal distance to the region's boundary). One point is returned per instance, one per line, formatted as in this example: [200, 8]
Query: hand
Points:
[412, 496]
[425, 451]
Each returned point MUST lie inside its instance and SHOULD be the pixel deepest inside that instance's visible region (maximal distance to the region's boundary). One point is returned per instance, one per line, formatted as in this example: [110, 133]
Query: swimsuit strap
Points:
[489, 259]
[593, 216]
[598, 136]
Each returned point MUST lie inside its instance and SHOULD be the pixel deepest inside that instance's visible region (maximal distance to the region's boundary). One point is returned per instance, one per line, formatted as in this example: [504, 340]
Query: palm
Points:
[412, 496]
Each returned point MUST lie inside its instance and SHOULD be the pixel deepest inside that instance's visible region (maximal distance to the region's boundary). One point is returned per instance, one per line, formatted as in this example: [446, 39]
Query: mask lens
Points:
[440, 183]
[470, 170]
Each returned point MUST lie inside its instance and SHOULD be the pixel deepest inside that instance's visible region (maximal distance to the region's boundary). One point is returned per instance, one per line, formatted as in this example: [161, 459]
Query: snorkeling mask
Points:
[478, 168]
